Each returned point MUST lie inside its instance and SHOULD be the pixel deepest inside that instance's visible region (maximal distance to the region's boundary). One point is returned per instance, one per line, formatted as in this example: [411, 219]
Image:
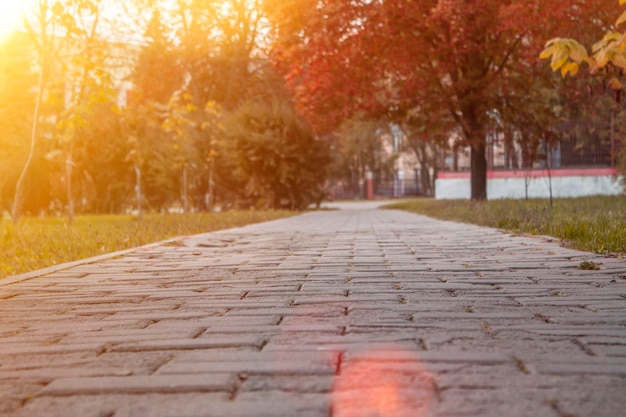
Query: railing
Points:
[408, 187]
[568, 153]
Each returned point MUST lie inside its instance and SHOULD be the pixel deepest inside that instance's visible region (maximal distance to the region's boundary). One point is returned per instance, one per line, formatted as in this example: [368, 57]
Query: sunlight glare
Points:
[384, 382]
[11, 12]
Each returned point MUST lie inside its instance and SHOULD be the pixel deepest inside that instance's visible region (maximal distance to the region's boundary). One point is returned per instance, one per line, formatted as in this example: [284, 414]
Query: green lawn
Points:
[41, 242]
[594, 224]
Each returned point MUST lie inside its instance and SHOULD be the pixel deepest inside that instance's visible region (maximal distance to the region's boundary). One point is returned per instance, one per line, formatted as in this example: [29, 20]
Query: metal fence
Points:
[567, 153]
[408, 187]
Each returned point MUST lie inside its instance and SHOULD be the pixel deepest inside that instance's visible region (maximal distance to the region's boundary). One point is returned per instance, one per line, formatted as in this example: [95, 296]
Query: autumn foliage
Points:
[133, 99]
[157, 122]
[456, 58]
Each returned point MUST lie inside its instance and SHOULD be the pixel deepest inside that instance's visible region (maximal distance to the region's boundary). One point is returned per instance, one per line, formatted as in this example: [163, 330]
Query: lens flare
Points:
[11, 13]
[384, 382]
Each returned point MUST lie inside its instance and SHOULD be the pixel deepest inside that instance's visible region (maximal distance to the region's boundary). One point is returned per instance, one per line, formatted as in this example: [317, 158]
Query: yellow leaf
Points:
[601, 59]
[598, 46]
[570, 67]
[559, 58]
[606, 41]
[546, 53]
[577, 52]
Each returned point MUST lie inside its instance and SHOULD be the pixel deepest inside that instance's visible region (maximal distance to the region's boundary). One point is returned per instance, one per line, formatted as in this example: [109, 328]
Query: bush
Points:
[276, 156]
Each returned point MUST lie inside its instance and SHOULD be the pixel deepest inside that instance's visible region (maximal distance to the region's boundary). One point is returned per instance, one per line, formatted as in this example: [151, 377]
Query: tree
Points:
[135, 155]
[53, 28]
[16, 97]
[427, 131]
[181, 122]
[48, 45]
[89, 84]
[358, 149]
[276, 156]
[104, 173]
[388, 57]
[208, 148]
[157, 73]
[221, 50]
[156, 76]
[211, 55]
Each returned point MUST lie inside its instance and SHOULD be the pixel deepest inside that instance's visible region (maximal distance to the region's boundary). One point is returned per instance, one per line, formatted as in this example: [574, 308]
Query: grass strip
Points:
[593, 224]
[42, 242]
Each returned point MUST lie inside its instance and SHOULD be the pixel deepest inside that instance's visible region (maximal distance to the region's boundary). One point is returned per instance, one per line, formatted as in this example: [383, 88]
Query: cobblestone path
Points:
[364, 313]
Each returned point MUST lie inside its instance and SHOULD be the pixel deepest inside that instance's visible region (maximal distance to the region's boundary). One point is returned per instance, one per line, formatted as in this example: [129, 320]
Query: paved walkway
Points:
[365, 313]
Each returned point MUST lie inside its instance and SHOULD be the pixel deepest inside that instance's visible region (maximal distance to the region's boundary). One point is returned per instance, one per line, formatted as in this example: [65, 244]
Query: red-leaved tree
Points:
[385, 58]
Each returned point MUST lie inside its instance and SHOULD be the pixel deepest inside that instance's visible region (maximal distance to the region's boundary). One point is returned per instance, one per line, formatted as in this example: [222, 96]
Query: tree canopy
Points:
[386, 58]
[121, 106]
[132, 100]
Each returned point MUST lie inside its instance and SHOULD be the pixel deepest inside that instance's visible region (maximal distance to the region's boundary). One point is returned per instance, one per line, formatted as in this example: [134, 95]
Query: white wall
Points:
[538, 186]
[453, 189]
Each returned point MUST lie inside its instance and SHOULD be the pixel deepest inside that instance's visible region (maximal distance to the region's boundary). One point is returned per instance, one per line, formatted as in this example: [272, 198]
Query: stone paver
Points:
[354, 312]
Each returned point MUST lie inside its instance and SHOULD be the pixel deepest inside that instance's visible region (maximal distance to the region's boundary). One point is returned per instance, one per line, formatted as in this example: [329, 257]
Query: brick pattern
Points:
[333, 313]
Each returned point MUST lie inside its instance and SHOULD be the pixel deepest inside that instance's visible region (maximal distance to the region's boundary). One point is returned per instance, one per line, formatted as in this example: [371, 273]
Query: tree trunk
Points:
[479, 170]
[474, 132]
[209, 197]
[475, 135]
[185, 193]
[138, 192]
[426, 161]
[19, 187]
[549, 169]
[69, 164]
